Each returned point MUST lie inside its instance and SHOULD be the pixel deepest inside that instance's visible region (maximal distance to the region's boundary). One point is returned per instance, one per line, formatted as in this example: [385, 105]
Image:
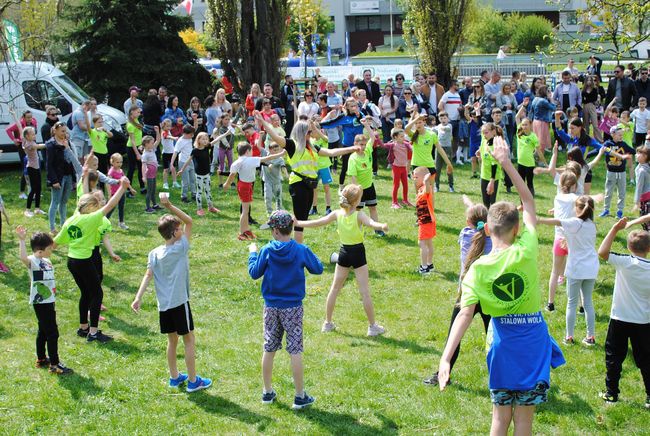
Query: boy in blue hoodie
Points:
[282, 262]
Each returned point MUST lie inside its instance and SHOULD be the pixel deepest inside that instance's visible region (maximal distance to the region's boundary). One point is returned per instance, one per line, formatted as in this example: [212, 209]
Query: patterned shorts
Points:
[277, 322]
[531, 397]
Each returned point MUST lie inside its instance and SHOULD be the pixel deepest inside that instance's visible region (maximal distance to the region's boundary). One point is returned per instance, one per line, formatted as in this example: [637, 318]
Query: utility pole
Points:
[390, 8]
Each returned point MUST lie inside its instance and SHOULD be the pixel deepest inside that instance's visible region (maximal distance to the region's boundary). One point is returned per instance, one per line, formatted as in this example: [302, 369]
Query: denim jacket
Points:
[542, 109]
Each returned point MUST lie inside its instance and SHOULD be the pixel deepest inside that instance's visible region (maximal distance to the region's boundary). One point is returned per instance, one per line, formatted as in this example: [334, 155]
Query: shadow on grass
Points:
[220, 406]
[412, 346]
[341, 423]
[574, 405]
[118, 323]
[483, 392]
[79, 385]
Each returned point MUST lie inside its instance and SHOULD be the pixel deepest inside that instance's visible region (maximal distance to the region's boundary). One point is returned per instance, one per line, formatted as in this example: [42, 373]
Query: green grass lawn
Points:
[361, 385]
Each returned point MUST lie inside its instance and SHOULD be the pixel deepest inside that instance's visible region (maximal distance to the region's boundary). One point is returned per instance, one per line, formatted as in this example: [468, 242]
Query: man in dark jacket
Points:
[286, 97]
[372, 89]
[642, 84]
[623, 89]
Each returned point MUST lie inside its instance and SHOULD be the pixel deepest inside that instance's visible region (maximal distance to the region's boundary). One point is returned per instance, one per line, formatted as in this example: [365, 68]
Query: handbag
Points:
[310, 182]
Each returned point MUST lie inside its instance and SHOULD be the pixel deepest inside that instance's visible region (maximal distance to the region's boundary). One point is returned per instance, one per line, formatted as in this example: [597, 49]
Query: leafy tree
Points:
[193, 40]
[37, 23]
[530, 33]
[248, 37]
[622, 23]
[323, 27]
[490, 30]
[437, 28]
[121, 42]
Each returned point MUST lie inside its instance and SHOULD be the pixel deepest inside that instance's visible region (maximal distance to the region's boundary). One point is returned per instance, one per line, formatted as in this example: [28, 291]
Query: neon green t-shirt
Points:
[628, 132]
[79, 232]
[487, 161]
[507, 281]
[526, 145]
[98, 140]
[360, 166]
[137, 135]
[423, 150]
[323, 161]
[104, 228]
[348, 227]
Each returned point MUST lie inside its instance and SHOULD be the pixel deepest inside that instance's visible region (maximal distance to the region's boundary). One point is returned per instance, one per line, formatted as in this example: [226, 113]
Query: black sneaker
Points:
[433, 380]
[609, 398]
[328, 210]
[550, 307]
[156, 207]
[268, 397]
[430, 267]
[252, 222]
[185, 200]
[129, 195]
[581, 311]
[143, 191]
[300, 403]
[83, 333]
[100, 337]
[42, 363]
[60, 369]
[313, 211]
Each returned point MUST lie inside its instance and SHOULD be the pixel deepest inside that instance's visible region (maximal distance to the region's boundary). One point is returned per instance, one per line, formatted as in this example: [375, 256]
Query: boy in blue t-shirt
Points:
[281, 262]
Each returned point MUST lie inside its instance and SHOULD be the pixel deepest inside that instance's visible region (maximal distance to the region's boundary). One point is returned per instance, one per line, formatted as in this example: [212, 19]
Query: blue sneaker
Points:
[200, 383]
[300, 403]
[176, 382]
[268, 397]
[604, 213]
[619, 214]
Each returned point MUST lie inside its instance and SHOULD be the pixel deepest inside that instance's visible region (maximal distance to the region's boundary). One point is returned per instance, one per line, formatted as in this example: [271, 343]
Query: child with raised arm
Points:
[169, 266]
[42, 292]
[352, 254]
[282, 264]
[630, 315]
[426, 218]
[506, 284]
[168, 140]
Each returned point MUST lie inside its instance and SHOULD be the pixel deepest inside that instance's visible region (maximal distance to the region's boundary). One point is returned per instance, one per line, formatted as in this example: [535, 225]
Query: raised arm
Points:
[641, 220]
[323, 221]
[187, 220]
[369, 222]
[270, 131]
[112, 202]
[22, 235]
[606, 245]
[271, 157]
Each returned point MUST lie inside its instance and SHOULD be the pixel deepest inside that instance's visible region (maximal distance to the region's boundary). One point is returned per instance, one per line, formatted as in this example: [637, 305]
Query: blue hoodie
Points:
[282, 265]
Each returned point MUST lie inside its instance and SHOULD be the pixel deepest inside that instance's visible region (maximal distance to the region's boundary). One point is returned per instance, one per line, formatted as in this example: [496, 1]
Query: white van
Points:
[33, 85]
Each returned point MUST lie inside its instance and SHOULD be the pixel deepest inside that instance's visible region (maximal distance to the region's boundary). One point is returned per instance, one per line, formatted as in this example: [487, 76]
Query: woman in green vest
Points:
[303, 158]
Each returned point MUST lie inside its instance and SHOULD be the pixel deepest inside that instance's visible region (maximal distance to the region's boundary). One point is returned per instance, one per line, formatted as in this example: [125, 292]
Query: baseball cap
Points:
[280, 219]
[616, 128]
[134, 88]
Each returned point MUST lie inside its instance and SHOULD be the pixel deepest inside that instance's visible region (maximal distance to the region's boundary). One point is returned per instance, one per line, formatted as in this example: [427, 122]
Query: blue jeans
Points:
[60, 201]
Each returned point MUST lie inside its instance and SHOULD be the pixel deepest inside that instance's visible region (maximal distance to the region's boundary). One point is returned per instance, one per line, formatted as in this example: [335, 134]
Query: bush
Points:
[529, 33]
[489, 31]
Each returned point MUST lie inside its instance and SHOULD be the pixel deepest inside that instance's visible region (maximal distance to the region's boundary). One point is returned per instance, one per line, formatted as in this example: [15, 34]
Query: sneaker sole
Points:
[301, 406]
[268, 401]
[200, 388]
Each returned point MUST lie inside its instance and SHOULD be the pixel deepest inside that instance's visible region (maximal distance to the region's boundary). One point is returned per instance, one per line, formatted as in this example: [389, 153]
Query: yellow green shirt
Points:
[104, 228]
[526, 145]
[423, 150]
[98, 140]
[79, 232]
[348, 227]
[507, 281]
[137, 134]
[360, 166]
[487, 161]
[323, 161]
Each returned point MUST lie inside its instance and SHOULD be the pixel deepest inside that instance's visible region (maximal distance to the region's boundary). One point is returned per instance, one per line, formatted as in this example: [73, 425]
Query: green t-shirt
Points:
[487, 161]
[423, 150]
[506, 282]
[79, 232]
[104, 228]
[98, 140]
[323, 161]
[137, 135]
[628, 132]
[360, 166]
[526, 145]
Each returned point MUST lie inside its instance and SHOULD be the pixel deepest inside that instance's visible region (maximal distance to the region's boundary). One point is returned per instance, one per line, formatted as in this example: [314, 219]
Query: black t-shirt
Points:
[201, 161]
[151, 113]
[201, 120]
[614, 164]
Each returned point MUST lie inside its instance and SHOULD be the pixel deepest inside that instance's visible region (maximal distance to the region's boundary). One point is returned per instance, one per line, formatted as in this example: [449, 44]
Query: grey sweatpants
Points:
[574, 288]
[618, 181]
[440, 164]
[188, 179]
[272, 196]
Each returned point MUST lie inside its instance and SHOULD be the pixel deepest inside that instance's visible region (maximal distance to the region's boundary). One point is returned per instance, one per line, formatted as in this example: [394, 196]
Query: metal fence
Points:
[506, 69]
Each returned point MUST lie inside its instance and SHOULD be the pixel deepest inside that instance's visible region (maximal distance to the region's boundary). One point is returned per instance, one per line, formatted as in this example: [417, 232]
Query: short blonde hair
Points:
[503, 216]
[88, 203]
[350, 196]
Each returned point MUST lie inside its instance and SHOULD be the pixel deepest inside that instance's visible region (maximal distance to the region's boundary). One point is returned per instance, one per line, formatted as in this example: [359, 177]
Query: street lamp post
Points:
[390, 9]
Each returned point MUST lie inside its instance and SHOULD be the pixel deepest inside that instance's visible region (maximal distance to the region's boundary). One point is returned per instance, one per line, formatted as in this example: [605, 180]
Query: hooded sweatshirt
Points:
[282, 265]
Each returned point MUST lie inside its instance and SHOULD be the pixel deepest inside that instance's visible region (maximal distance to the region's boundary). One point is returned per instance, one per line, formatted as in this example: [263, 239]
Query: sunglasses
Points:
[407, 93]
[308, 95]
[399, 78]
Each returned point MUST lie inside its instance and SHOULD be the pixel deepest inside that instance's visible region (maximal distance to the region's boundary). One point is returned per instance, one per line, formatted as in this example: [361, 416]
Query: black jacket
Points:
[286, 97]
[57, 167]
[642, 89]
[628, 93]
[46, 129]
[373, 94]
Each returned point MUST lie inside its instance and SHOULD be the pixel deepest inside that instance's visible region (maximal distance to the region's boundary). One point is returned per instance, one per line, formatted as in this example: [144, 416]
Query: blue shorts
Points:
[530, 397]
[473, 148]
[325, 176]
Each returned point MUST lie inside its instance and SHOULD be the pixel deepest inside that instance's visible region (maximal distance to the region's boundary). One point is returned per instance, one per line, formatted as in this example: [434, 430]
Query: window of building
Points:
[367, 23]
[333, 21]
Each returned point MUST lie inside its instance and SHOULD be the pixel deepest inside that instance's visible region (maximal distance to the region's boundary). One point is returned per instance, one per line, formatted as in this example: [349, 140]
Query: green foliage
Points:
[121, 42]
[323, 27]
[490, 30]
[530, 33]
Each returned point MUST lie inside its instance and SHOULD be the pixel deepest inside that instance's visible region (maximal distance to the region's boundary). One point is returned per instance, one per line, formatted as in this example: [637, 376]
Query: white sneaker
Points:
[460, 162]
[29, 213]
[165, 186]
[123, 226]
[265, 226]
[22, 196]
[176, 185]
[39, 212]
[328, 327]
[376, 330]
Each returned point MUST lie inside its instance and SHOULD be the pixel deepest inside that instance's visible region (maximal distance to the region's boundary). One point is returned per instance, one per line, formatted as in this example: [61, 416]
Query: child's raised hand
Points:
[501, 151]
[620, 224]
[21, 231]
[252, 248]
[164, 199]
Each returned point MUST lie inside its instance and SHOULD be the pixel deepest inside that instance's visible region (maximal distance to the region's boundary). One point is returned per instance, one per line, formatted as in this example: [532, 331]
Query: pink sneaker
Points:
[395, 206]
[101, 318]
[102, 308]
[200, 212]
[407, 204]
[3, 268]
[213, 209]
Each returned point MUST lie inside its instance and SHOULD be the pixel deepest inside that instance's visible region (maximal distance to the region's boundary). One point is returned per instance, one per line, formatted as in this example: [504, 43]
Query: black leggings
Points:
[344, 168]
[301, 198]
[48, 333]
[489, 200]
[98, 262]
[21, 155]
[87, 278]
[527, 174]
[454, 314]
[134, 164]
[34, 195]
[120, 209]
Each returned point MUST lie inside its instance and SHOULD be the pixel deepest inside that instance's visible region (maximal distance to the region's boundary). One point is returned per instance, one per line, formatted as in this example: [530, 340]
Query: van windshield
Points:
[71, 88]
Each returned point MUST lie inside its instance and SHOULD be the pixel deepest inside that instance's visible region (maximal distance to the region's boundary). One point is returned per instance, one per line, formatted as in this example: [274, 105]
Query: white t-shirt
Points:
[308, 109]
[183, 149]
[580, 190]
[640, 120]
[167, 143]
[42, 288]
[563, 208]
[452, 102]
[631, 300]
[245, 166]
[582, 262]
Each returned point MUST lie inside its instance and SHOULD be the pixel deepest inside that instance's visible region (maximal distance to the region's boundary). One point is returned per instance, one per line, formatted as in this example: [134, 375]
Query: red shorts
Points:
[245, 191]
[427, 231]
[560, 247]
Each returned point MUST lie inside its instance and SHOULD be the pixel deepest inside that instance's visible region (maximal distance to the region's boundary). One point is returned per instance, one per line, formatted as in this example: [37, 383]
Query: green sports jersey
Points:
[323, 161]
[526, 145]
[79, 232]
[104, 228]
[487, 161]
[423, 150]
[98, 140]
[360, 166]
[507, 281]
[137, 135]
